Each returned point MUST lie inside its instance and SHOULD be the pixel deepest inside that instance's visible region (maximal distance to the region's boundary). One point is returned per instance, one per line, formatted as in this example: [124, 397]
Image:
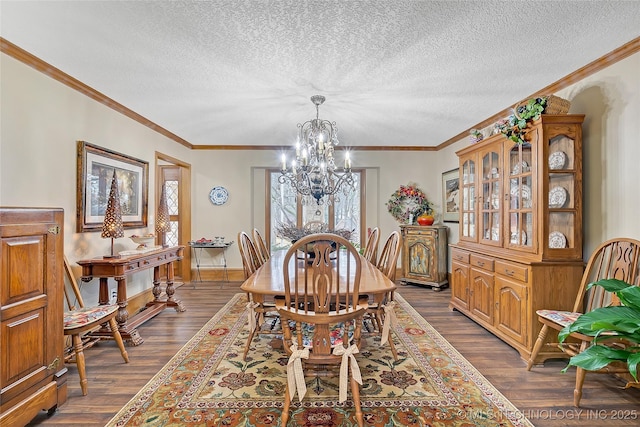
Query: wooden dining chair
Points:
[258, 311]
[321, 316]
[613, 259]
[251, 261]
[377, 311]
[261, 246]
[371, 247]
[80, 319]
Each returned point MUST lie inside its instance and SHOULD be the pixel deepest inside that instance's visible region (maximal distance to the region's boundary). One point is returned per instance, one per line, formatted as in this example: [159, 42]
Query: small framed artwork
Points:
[94, 174]
[450, 196]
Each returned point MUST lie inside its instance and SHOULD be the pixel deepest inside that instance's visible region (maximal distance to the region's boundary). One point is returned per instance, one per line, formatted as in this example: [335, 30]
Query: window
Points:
[286, 207]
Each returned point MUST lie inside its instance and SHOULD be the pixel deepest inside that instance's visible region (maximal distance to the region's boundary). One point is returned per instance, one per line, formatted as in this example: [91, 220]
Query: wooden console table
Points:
[119, 268]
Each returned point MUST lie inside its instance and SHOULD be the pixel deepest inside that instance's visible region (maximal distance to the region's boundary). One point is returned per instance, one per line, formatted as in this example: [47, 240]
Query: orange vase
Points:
[426, 219]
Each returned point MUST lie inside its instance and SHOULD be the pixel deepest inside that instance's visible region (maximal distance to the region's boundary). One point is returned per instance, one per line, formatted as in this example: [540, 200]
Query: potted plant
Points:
[619, 322]
[516, 124]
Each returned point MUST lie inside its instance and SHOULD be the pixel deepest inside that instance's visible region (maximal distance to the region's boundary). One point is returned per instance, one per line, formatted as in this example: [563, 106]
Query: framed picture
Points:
[94, 175]
[451, 196]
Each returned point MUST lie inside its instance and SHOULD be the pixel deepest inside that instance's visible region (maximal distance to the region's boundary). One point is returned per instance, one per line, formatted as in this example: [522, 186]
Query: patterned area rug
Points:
[208, 384]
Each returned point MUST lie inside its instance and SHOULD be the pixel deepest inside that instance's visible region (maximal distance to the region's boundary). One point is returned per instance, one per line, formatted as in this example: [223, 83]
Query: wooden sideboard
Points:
[424, 255]
[32, 374]
[118, 269]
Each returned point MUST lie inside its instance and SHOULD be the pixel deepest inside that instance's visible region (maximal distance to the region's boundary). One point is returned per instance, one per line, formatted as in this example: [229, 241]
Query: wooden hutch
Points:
[520, 245]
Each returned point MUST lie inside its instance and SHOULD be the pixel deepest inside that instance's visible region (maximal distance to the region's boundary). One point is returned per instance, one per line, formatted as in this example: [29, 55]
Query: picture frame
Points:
[95, 166]
[451, 195]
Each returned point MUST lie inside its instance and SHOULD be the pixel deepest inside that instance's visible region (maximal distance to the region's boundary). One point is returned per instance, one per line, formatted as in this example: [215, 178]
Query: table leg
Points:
[170, 290]
[129, 334]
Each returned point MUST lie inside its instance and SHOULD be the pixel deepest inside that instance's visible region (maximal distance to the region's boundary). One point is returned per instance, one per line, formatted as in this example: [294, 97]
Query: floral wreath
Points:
[408, 200]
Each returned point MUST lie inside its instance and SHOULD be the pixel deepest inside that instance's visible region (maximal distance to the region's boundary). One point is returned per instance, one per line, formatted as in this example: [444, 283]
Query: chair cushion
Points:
[334, 334]
[563, 318]
[83, 316]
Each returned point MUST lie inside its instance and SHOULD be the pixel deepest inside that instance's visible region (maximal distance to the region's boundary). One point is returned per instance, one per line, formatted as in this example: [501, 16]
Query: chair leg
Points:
[248, 344]
[577, 392]
[285, 408]
[78, 349]
[118, 338]
[355, 392]
[537, 346]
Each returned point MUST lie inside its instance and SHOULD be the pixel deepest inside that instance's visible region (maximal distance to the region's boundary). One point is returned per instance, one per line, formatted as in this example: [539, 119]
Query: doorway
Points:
[175, 176]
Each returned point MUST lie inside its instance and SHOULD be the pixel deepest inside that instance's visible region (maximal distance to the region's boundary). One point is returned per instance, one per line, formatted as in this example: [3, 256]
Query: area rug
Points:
[207, 383]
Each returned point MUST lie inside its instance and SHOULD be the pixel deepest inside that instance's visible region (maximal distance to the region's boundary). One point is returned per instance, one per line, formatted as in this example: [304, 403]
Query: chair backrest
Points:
[249, 254]
[613, 259]
[321, 282]
[389, 255]
[371, 247]
[260, 245]
[73, 283]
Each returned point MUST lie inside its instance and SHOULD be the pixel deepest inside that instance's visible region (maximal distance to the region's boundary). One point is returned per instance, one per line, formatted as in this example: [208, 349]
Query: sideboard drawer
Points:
[482, 262]
[515, 271]
[460, 256]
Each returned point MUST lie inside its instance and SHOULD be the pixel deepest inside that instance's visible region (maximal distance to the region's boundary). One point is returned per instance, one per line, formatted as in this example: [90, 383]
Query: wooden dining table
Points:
[268, 280]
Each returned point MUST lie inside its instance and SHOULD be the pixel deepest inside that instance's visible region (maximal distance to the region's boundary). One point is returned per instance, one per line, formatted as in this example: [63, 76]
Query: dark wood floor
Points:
[544, 395]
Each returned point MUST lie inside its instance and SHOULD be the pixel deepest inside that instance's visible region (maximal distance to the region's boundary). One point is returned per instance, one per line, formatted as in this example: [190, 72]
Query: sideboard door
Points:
[32, 371]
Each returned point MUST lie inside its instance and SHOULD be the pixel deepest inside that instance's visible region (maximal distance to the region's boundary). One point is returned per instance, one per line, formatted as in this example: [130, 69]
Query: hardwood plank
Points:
[544, 395]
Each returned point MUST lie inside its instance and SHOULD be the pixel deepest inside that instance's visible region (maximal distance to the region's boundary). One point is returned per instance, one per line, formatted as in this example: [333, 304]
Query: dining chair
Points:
[251, 261]
[258, 311]
[80, 319]
[371, 247]
[614, 259]
[261, 246]
[321, 315]
[382, 313]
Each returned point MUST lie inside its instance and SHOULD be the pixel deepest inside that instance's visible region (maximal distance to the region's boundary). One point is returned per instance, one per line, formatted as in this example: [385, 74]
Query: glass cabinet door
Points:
[562, 189]
[468, 200]
[520, 228]
[491, 198]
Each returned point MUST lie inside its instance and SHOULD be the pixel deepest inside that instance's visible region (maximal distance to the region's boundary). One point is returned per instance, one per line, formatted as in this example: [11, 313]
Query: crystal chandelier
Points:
[314, 172]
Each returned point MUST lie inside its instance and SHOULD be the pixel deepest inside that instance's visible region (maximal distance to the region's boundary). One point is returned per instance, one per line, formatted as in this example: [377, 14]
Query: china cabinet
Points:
[424, 255]
[33, 374]
[520, 245]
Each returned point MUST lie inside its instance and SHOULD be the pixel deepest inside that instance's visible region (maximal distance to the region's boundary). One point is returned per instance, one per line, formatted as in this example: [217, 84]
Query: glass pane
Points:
[347, 210]
[283, 208]
[171, 191]
[171, 237]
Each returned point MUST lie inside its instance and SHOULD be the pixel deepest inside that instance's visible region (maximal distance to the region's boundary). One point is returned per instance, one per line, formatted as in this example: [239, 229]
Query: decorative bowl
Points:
[144, 241]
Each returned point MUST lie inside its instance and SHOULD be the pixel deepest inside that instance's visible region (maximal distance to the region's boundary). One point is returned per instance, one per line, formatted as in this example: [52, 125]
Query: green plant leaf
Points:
[597, 357]
[610, 285]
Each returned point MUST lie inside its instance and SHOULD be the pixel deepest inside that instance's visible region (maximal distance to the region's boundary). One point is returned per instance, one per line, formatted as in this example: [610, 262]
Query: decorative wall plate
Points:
[558, 197]
[218, 195]
[557, 240]
[557, 160]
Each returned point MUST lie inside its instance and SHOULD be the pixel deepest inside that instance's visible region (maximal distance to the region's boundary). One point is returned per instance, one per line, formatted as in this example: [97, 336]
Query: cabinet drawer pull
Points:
[509, 272]
[481, 263]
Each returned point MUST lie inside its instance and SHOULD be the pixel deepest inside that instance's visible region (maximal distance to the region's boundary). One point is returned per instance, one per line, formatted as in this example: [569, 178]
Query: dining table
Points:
[268, 279]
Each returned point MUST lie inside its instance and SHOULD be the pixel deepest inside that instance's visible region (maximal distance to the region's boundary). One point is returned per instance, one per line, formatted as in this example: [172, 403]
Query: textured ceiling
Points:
[395, 73]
